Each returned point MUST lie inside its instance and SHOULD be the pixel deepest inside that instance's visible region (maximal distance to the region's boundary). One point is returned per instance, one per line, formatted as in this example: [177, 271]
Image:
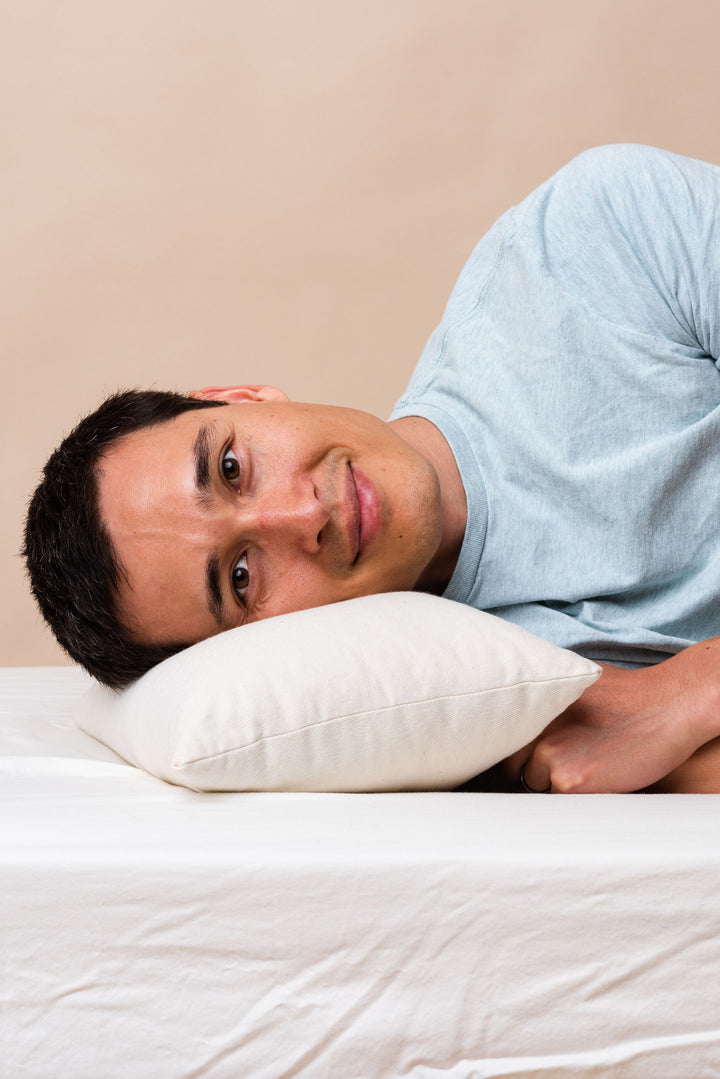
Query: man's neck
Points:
[425, 437]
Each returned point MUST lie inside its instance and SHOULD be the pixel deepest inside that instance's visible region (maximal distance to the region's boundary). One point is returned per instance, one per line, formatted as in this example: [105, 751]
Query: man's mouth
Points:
[354, 518]
[367, 515]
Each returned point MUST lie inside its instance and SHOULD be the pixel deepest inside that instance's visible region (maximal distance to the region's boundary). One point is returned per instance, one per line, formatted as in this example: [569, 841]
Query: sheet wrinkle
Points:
[293, 996]
[601, 1063]
[630, 968]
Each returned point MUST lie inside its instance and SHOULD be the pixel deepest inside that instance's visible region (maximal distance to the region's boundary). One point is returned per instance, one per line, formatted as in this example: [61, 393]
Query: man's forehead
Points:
[151, 464]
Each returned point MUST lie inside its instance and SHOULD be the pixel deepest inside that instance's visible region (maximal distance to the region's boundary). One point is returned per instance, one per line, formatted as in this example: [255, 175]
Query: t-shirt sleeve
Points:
[634, 233]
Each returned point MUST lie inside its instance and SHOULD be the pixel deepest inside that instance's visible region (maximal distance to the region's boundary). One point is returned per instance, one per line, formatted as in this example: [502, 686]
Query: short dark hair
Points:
[73, 569]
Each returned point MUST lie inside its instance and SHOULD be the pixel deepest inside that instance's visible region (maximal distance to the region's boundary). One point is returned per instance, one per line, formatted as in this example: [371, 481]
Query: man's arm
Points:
[698, 775]
[632, 728]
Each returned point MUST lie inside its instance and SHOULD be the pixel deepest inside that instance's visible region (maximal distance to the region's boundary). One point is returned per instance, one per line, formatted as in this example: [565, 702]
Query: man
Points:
[553, 461]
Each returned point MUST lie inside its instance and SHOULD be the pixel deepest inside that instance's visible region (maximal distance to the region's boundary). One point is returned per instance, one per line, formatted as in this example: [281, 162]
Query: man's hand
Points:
[631, 728]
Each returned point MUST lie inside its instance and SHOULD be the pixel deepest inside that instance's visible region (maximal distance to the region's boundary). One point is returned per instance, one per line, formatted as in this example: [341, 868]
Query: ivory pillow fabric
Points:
[400, 691]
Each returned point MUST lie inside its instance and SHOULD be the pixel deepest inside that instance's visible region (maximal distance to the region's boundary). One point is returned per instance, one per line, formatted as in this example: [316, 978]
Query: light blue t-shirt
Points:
[574, 375]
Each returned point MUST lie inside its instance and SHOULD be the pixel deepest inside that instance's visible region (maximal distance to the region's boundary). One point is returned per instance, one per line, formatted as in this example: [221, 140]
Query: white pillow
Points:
[400, 691]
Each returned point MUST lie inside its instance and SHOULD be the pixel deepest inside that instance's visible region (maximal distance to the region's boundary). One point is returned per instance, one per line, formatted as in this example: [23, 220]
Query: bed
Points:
[149, 930]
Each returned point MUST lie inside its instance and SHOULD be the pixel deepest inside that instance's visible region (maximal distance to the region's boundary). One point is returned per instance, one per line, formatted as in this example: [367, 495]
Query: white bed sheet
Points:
[149, 931]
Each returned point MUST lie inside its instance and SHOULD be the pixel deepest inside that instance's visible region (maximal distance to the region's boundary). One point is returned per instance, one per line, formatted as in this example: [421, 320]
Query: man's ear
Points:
[235, 395]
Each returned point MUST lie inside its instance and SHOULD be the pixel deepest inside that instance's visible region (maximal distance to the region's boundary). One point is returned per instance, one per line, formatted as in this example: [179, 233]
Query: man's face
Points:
[225, 516]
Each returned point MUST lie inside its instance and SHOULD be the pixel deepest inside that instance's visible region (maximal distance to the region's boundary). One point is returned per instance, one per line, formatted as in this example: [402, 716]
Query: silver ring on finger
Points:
[532, 790]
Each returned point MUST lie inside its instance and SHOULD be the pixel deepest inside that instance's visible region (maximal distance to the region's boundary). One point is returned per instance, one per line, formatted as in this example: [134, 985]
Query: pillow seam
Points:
[384, 708]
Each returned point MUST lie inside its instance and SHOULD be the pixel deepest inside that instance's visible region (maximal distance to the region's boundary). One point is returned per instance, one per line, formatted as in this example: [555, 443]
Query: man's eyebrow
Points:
[201, 456]
[214, 591]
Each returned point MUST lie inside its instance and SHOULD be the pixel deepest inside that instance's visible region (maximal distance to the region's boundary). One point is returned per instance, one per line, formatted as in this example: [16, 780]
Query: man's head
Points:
[73, 570]
[159, 524]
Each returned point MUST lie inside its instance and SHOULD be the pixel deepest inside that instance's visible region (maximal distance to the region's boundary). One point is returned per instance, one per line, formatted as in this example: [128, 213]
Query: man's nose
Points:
[291, 513]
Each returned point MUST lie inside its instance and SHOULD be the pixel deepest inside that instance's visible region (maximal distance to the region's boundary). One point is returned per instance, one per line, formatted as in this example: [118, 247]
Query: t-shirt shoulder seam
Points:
[511, 220]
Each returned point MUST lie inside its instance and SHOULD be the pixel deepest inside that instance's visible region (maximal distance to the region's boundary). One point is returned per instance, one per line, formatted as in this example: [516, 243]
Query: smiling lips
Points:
[366, 513]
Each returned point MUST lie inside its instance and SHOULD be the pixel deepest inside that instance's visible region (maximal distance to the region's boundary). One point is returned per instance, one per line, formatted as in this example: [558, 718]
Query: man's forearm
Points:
[698, 775]
[632, 727]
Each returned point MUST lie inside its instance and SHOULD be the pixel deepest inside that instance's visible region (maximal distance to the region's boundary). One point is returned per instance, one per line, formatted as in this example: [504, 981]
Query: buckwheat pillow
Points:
[400, 691]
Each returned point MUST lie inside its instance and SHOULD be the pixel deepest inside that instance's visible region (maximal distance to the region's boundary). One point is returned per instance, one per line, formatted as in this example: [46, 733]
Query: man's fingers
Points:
[512, 766]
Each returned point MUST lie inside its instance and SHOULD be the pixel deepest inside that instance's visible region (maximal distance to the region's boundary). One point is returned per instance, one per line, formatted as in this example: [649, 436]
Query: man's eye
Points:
[230, 467]
[241, 577]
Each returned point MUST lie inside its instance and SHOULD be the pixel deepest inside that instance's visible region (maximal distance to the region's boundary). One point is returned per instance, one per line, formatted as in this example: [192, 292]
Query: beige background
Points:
[206, 191]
